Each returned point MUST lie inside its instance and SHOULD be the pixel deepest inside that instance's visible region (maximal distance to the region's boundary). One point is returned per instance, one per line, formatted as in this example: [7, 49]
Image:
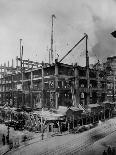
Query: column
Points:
[22, 83]
[56, 83]
[98, 86]
[1, 85]
[31, 88]
[5, 81]
[42, 84]
[88, 85]
[76, 86]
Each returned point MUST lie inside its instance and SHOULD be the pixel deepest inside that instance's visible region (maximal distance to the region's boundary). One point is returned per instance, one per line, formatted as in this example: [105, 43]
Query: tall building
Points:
[110, 66]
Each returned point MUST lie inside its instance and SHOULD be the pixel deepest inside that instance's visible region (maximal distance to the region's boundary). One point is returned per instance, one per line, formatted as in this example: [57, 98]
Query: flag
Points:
[113, 34]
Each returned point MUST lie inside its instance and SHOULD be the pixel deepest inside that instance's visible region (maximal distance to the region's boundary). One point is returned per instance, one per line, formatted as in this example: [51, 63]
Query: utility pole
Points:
[53, 16]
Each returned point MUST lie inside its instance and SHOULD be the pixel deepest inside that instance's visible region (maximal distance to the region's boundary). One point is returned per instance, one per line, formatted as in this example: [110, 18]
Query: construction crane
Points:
[87, 64]
[85, 36]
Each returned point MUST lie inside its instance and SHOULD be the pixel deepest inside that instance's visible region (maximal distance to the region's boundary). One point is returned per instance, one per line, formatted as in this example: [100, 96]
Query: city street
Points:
[68, 144]
[14, 135]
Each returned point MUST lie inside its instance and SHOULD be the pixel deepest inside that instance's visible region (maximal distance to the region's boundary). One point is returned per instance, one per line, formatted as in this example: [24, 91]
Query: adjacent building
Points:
[110, 67]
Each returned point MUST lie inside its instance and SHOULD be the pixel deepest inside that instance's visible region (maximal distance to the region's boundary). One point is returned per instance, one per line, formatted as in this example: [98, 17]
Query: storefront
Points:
[73, 116]
[106, 109]
[96, 112]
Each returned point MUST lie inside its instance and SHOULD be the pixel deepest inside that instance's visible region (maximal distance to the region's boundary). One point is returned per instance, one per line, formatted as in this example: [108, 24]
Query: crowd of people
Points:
[5, 139]
[109, 151]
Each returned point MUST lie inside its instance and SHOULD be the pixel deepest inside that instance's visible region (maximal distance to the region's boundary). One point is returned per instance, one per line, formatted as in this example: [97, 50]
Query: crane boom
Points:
[52, 41]
[85, 36]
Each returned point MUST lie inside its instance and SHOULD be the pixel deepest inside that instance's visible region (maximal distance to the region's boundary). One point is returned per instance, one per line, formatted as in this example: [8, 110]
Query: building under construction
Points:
[50, 85]
[67, 95]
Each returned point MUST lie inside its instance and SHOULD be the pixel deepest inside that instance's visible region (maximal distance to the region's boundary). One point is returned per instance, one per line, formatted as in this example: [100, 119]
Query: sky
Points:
[30, 20]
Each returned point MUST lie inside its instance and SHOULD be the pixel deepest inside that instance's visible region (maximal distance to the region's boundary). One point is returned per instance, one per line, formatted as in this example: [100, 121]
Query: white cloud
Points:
[31, 21]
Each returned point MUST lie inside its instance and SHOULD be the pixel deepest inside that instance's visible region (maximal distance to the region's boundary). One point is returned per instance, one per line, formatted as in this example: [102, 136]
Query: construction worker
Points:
[3, 139]
[61, 128]
[42, 136]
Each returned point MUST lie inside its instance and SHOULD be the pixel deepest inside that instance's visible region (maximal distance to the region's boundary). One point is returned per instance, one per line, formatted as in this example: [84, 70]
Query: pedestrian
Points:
[113, 151]
[10, 144]
[104, 153]
[42, 136]
[7, 139]
[3, 139]
[109, 150]
[61, 128]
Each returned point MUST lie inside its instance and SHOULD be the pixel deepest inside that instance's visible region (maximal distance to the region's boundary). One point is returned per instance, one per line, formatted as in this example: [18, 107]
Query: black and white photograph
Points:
[57, 77]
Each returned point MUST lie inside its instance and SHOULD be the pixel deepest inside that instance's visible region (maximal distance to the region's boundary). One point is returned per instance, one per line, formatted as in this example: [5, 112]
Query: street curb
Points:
[24, 144]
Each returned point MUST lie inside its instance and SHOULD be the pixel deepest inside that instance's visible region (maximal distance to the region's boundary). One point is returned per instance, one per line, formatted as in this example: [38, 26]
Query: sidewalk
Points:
[37, 138]
[4, 149]
[108, 125]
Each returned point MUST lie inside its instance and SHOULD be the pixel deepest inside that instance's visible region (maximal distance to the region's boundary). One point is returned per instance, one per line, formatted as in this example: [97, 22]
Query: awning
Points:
[85, 114]
[47, 115]
[95, 108]
[94, 105]
[62, 110]
[106, 104]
